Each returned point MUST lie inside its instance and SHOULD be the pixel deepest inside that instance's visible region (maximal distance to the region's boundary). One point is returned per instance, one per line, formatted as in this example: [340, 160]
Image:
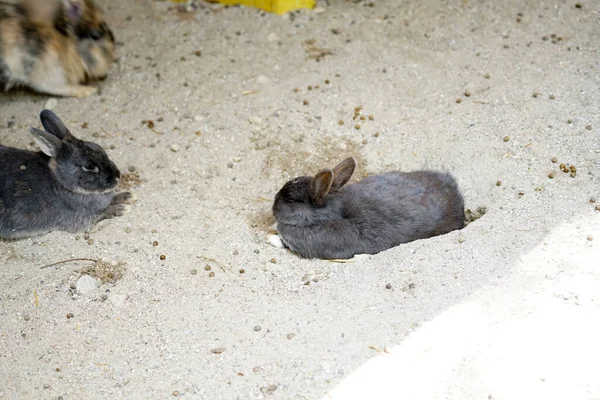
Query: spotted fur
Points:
[54, 46]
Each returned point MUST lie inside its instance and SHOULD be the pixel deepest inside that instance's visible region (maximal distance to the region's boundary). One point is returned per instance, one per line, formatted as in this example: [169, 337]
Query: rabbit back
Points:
[399, 207]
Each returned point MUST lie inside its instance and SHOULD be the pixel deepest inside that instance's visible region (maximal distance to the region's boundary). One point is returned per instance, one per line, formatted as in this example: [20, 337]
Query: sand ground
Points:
[241, 101]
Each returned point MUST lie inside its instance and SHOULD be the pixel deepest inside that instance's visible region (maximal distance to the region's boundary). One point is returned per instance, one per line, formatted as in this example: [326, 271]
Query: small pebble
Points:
[207, 267]
[459, 100]
[498, 183]
[357, 126]
[257, 251]
[46, 386]
[578, 5]
[340, 122]
[467, 94]
[388, 286]
[175, 393]
[290, 335]
[86, 236]
[174, 148]
[257, 328]
[229, 164]
[592, 200]
[162, 257]
[461, 239]
[551, 175]
[588, 127]
[268, 389]
[218, 350]
[155, 243]
[597, 208]
[26, 317]
[304, 102]
[590, 238]
[521, 194]
[535, 95]
[506, 138]
[554, 160]
[273, 261]
[235, 252]
[487, 76]
[569, 121]
[411, 285]
[242, 271]
[552, 97]
[371, 118]
[211, 274]
[194, 272]
[70, 315]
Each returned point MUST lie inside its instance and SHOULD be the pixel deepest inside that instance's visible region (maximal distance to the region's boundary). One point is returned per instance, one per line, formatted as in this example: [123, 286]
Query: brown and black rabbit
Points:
[322, 217]
[54, 46]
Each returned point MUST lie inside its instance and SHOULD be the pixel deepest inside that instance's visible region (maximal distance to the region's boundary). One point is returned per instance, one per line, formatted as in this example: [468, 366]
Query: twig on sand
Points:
[377, 349]
[66, 261]
[220, 264]
[341, 261]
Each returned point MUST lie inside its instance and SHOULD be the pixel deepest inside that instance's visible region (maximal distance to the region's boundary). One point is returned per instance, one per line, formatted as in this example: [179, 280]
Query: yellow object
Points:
[274, 6]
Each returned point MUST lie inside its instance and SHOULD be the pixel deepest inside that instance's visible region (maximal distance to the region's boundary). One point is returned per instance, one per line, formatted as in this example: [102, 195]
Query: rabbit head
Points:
[306, 200]
[79, 166]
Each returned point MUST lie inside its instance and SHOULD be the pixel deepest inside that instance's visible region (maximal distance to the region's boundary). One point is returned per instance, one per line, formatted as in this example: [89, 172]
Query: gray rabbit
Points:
[68, 186]
[319, 217]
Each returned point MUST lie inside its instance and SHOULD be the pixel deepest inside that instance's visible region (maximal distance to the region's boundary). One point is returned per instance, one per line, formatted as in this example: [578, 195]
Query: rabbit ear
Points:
[48, 143]
[343, 172]
[320, 185]
[53, 124]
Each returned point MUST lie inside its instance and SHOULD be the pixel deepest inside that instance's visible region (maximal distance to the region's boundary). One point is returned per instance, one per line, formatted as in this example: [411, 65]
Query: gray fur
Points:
[375, 214]
[69, 186]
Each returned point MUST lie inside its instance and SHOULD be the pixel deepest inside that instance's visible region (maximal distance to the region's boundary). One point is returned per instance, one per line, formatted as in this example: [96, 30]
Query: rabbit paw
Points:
[123, 198]
[67, 90]
[276, 241]
[116, 210]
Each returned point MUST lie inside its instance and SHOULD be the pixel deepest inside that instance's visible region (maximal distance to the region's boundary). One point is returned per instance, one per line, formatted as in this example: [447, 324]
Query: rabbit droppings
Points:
[68, 186]
[320, 217]
[52, 46]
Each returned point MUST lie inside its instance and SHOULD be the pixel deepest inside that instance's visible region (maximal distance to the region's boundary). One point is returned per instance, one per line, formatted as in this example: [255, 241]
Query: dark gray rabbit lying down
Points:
[320, 217]
[68, 186]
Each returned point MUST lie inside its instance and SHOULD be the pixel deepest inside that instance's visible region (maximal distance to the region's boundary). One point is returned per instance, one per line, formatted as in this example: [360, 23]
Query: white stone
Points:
[86, 284]
[254, 120]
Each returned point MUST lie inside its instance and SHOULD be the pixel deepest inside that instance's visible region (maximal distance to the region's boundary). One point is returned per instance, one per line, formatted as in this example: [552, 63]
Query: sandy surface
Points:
[513, 295]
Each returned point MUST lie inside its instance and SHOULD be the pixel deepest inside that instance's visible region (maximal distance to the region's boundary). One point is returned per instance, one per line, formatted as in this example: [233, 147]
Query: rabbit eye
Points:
[90, 168]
